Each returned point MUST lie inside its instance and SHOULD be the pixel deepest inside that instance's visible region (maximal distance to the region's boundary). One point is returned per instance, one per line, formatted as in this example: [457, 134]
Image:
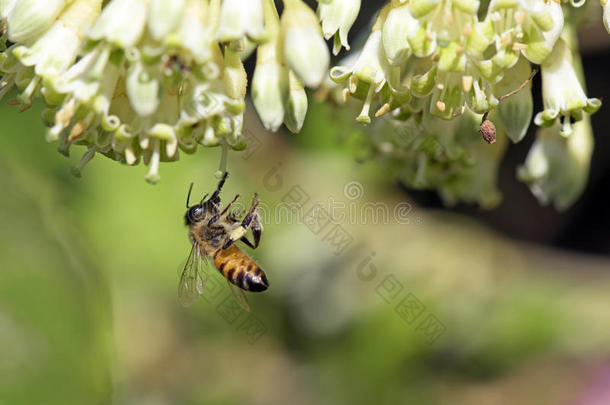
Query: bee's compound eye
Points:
[195, 213]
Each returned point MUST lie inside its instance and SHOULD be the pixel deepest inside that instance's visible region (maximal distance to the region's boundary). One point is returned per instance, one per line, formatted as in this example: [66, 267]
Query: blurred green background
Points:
[433, 309]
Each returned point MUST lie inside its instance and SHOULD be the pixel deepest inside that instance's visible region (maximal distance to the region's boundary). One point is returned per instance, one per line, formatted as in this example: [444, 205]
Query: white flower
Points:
[556, 168]
[562, 92]
[193, 36]
[369, 74]
[371, 66]
[305, 51]
[240, 18]
[5, 7]
[29, 18]
[337, 17]
[92, 97]
[164, 17]
[121, 23]
[529, 26]
[269, 86]
[53, 52]
[399, 26]
[143, 89]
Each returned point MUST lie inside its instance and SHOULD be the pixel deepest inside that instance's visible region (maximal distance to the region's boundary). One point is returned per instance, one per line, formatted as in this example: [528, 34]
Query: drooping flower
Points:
[337, 17]
[270, 82]
[556, 168]
[131, 97]
[369, 75]
[36, 65]
[562, 92]
[27, 19]
[304, 48]
[241, 18]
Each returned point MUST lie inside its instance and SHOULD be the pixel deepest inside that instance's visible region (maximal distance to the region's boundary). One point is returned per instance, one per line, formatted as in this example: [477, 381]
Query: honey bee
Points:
[213, 234]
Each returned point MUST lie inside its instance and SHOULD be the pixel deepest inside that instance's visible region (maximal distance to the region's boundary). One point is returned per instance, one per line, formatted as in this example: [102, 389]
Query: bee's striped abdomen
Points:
[240, 269]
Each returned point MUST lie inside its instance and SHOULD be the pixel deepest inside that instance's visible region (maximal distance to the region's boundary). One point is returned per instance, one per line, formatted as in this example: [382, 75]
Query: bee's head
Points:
[197, 212]
[194, 214]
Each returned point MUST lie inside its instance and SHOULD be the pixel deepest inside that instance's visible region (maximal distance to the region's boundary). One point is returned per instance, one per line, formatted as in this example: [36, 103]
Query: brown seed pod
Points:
[488, 131]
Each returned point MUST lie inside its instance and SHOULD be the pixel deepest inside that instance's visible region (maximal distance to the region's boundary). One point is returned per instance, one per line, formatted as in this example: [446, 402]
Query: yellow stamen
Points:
[466, 83]
[345, 95]
[77, 131]
[383, 110]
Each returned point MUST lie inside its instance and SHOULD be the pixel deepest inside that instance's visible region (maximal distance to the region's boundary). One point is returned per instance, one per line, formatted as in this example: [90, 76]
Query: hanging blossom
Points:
[426, 60]
[144, 80]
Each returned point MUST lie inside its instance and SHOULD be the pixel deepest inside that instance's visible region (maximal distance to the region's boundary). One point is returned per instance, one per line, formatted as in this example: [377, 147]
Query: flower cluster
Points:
[429, 61]
[145, 79]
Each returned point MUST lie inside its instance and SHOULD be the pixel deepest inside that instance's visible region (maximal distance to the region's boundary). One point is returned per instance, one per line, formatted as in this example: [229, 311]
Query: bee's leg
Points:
[215, 217]
[257, 229]
[240, 231]
[215, 198]
[247, 242]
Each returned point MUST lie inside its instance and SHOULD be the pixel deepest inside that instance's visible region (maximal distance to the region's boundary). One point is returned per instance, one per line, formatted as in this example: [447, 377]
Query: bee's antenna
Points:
[188, 197]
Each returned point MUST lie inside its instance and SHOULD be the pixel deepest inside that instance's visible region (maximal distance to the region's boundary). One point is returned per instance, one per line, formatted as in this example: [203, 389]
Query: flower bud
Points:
[234, 76]
[304, 48]
[296, 104]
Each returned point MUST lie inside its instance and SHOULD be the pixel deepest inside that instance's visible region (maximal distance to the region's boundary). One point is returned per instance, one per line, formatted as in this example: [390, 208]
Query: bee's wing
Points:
[239, 295]
[192, 278]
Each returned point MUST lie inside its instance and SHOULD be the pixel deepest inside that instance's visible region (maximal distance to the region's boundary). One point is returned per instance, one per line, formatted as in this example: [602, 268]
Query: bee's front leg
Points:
[215, 198]
[217, 216]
